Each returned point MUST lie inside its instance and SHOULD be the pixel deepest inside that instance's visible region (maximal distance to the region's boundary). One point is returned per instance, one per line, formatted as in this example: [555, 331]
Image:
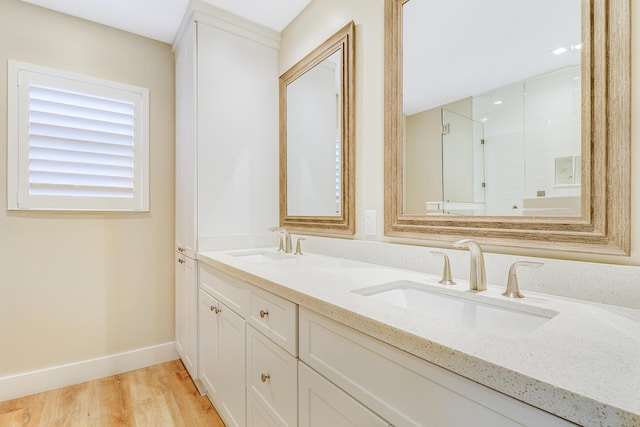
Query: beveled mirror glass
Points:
[316, 139]
[517, 134]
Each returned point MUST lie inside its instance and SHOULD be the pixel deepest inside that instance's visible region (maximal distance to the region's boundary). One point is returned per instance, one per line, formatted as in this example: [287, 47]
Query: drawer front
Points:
[323, 404]
[230, 291]
[275, 317]
[402, 388]
[272, 378]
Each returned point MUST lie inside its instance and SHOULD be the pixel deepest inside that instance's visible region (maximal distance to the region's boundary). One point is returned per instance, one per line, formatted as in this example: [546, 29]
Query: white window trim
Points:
[18, 197]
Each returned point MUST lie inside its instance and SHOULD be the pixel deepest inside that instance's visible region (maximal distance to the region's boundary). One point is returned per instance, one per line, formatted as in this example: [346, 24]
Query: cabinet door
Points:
[186, 143]
[272, 378]
[323, 404]
[185, 312]
[208, 333]
[222, 358]
[232, 366]
[257, 416]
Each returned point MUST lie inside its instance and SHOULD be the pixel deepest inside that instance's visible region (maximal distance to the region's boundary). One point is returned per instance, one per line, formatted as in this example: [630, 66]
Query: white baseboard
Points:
[25, 384]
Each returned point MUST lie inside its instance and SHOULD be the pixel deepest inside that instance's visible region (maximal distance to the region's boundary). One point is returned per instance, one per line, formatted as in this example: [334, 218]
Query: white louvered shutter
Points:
[82, 144]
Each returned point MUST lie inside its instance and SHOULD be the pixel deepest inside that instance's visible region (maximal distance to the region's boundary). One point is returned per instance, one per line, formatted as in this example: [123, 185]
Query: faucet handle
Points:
[446, 272]
[298, 249]
[513, 290]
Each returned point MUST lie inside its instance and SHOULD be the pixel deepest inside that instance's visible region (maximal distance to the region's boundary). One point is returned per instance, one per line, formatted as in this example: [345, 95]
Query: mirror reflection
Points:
[502, 135]
[314, 141]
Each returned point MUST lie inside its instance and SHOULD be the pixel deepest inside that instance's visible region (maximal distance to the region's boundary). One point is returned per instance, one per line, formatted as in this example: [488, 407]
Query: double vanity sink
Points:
[575, 359]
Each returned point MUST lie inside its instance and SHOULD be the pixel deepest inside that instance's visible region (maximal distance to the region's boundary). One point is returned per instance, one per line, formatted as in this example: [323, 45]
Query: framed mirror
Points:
[317, 146]
[516, 133]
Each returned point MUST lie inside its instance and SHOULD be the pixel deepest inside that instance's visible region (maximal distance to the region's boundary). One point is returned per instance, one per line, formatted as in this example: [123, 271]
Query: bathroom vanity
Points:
[301, 330]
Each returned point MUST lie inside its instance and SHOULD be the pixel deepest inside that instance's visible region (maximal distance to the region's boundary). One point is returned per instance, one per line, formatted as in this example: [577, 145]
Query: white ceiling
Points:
[160, 19]
[462, 48]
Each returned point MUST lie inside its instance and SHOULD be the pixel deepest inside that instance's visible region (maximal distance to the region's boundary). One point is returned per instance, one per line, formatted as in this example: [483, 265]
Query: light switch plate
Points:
[370, 222]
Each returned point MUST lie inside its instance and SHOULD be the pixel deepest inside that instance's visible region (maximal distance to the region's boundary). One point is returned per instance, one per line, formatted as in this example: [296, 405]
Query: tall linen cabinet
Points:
[226, 146]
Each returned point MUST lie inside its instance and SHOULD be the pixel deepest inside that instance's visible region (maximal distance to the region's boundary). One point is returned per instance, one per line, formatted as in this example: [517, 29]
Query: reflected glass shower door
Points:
[462, 164]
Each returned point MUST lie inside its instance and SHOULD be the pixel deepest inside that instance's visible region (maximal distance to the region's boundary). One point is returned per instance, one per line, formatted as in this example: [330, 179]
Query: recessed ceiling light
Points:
[576, 46]
[559, 51]
[497, 102]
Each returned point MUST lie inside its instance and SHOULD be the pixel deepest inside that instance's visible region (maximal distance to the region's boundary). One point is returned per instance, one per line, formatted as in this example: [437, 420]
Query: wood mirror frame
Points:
[344, 223]
[604, 226]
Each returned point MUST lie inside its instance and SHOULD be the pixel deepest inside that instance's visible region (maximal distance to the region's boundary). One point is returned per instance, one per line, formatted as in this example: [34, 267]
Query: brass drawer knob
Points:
[181, 261]
[263, 314]
[265, 377]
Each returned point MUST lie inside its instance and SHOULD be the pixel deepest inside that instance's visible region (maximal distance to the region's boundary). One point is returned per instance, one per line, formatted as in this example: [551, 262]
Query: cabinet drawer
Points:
[272, 378]
[275, 317]
[404, 389]
[230, 291]
[323, 404]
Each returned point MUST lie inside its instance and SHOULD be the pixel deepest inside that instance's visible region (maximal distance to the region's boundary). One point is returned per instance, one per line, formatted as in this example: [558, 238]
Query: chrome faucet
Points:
[285, 239]
[477, 276]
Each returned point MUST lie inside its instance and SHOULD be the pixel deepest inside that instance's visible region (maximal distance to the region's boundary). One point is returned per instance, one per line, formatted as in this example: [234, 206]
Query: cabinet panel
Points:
[185, 205]
[237, 133]
[402, 388]
[186, 312]
[257, 416]
[323, 404]
[222, 356]
[209, 338]
[232, 366]
[275, 317]
[272, 377]
[230, 291]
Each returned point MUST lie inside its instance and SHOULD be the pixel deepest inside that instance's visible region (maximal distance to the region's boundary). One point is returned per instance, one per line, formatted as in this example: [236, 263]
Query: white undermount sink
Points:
[260, 255]
[508, 319]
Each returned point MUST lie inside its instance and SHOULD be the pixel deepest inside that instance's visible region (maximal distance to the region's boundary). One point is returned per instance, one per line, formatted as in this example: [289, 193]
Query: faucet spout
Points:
[286, 238]
[477, 275]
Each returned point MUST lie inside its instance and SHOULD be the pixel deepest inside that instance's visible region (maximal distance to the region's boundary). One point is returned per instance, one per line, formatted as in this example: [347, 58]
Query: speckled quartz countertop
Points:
[582, 365]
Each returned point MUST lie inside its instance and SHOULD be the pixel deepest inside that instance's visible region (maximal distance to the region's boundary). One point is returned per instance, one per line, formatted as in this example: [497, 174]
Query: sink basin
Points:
[512, 321]
[260, 255]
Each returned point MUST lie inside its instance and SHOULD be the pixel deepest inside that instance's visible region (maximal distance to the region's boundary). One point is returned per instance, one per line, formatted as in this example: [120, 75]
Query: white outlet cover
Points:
[370, 222]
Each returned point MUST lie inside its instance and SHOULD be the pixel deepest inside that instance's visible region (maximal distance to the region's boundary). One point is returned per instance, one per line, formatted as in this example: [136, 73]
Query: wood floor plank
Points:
[161, 395]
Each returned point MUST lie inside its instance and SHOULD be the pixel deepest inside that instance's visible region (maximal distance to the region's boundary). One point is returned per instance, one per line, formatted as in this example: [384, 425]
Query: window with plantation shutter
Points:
[76, 142]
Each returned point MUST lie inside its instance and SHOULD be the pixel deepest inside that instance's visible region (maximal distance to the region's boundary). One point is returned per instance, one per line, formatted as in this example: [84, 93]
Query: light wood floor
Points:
[161, 395]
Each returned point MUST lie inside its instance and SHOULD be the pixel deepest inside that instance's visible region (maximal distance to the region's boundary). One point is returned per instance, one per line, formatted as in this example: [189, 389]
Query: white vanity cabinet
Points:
[223, 304]
[403, 389]
[222, 350]
[226, 77]
[247, 351]
[186, 281]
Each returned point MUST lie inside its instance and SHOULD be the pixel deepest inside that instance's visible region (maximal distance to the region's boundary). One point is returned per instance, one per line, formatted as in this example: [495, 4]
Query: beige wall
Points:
[80, 286]
[320, 20]
[323, 17]
[423, 167]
